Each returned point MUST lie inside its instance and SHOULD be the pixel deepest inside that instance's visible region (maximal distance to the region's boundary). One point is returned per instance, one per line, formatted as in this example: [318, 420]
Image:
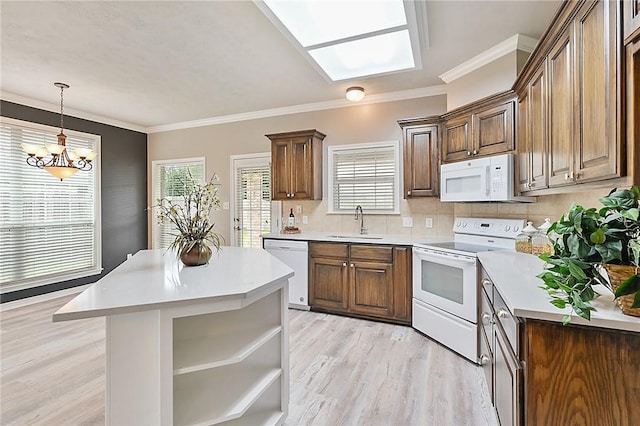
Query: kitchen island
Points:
[193, 345]
[540, 372]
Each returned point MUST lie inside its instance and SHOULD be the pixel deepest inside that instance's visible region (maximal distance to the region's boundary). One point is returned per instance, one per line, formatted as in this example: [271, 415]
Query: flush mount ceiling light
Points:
[63, 163]
[355, 94]
[349, 39]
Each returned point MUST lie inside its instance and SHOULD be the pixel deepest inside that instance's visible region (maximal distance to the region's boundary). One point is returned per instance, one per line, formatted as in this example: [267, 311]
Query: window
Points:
[252, 199]
[365, 175]
[49, 229]
[170, 178]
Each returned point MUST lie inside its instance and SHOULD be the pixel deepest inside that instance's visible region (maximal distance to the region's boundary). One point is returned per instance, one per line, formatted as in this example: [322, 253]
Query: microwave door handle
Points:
[487, 180]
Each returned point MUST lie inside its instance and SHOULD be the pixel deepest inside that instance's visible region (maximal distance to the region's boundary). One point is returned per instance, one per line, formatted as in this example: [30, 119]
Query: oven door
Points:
[446, 281]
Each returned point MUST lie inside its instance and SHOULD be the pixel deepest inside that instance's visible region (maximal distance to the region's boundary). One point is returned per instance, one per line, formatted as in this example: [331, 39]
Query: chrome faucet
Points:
[363, 230]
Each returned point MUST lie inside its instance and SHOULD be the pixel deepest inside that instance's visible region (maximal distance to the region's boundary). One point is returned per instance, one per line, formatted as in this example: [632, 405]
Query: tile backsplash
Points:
[441, 214]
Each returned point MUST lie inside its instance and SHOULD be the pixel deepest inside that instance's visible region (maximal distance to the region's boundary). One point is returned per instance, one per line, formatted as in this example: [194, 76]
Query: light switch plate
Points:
[225, 205]
[305, 220]
[298, 209]
[429, 222]
[407, 222]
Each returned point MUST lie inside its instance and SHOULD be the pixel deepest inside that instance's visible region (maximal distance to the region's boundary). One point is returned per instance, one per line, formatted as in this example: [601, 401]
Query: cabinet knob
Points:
[475, 152]
[566, 176]
[352, 265]
[502, 313]
[408, 192]
[484, 360]
[486, 281]
[344, 264]
[468, 153]
[486, 318]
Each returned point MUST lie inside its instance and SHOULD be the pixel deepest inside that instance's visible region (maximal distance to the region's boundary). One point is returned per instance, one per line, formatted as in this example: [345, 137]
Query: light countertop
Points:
[337, 237]
[514, 276]
[153, 279]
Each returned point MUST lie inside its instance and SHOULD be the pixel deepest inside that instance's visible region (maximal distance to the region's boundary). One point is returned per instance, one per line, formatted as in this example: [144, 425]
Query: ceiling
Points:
[151, 64]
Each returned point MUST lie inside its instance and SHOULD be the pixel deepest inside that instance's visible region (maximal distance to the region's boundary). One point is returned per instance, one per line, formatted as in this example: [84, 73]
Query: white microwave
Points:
[480, 179]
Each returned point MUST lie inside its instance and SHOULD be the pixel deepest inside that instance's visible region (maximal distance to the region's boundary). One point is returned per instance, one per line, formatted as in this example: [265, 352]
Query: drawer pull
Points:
[484, 359]
[486, 318]
[486, 281]
[502, 313]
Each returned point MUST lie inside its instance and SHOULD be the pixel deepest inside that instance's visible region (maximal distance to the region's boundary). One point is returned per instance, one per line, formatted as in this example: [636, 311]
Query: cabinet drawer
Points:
[372, 253]
[329, 250]
[506, 321]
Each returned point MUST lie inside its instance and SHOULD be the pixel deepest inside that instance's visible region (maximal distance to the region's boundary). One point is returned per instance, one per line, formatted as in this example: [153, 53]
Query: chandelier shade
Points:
[63, 163]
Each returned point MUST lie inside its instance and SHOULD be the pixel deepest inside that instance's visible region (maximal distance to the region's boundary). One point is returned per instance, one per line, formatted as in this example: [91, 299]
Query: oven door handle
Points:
[450, 257]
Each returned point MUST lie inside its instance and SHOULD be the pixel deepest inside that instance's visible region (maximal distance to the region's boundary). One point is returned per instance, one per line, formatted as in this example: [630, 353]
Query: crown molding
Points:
[34, 103]
[515, 42]
[422, 92]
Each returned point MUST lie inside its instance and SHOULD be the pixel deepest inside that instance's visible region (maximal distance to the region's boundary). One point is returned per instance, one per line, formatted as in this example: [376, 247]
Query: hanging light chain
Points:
[61, 108]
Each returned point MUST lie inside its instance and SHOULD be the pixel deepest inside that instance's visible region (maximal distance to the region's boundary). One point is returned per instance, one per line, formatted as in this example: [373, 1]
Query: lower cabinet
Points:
[544, 373]
[361, 280]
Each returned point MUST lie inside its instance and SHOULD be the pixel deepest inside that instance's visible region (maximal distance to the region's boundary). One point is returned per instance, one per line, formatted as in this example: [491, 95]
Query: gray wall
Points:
[123, 159]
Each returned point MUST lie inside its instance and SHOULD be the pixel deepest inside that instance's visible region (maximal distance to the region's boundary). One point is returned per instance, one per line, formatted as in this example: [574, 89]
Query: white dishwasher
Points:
[294, 254]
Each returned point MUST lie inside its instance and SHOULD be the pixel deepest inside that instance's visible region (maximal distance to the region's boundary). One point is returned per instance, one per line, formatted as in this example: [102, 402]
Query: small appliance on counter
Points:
[446, 286]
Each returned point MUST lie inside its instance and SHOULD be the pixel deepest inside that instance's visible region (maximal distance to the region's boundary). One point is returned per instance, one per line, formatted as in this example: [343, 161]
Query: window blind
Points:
[49, 229]
[364, 176]
[253, 205]
[170, 180]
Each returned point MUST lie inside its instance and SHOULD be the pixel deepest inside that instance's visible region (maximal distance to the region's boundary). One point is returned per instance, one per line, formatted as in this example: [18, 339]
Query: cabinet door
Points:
[537, 129]
[493, 130]
[328, 283]
[524, 150]
[421, 161]
[631, 18]
[402, 285]
[371, 288]
[280, 169]
[301, 168]
[456, 144]
[633, 111]
[560, 99]
[507, 382]
[597, 149]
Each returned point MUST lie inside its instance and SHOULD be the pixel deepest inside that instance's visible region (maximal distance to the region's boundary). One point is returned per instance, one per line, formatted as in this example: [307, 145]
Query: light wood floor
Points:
[344, 371]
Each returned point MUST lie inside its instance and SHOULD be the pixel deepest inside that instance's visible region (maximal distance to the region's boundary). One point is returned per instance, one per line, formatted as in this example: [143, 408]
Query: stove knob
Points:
[516, 228]
[507, 228]
[464, 224]
[458, 224]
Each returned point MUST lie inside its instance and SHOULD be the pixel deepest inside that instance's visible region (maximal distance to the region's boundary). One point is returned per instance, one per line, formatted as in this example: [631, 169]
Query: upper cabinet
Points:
[569, 110]
[420, 139]
[631, 18]
[296, 165]
[482, 128]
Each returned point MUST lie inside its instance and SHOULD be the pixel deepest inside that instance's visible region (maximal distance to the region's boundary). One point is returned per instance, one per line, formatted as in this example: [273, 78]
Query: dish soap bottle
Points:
[292, 220]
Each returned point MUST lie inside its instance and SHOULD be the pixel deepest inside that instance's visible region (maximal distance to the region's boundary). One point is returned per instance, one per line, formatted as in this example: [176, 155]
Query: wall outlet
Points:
[407, 222]
[298, 209]
[129, 256]
[225, 205]
[305, 220]
[429, 222]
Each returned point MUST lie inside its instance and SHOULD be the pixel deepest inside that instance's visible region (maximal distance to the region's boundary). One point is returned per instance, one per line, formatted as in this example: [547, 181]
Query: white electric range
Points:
[445, 281]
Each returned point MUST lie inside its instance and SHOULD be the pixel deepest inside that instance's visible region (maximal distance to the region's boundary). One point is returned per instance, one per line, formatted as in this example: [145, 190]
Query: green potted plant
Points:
[188, 210]
[588, 241]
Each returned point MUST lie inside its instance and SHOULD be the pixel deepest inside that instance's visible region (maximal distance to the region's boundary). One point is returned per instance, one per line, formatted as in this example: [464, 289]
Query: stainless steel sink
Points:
[354, 237]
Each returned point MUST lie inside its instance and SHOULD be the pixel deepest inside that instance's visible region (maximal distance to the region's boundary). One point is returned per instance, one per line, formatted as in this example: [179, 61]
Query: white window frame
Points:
[395, 144]
[154, 171]
[97, 191]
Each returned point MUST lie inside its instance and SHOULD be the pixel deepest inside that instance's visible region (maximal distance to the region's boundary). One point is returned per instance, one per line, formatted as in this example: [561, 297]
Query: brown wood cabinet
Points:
[572, 81]
[421, 152]
[363, 280]
[296, 165]
[482, 128]
[633, 110]
[631, 19]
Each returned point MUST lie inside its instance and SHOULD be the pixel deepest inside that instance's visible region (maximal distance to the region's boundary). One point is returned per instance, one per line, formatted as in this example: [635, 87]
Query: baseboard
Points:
[42, 297]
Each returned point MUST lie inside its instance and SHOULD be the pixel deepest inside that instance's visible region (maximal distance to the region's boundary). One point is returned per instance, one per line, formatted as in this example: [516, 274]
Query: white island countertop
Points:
[514, 276]
[155, 279]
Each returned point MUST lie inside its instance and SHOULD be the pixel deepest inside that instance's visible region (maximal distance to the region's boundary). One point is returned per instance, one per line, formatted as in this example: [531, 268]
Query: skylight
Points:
[350, 39]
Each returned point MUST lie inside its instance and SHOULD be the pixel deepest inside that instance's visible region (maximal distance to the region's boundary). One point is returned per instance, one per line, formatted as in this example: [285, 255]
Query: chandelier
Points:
[63, 163]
